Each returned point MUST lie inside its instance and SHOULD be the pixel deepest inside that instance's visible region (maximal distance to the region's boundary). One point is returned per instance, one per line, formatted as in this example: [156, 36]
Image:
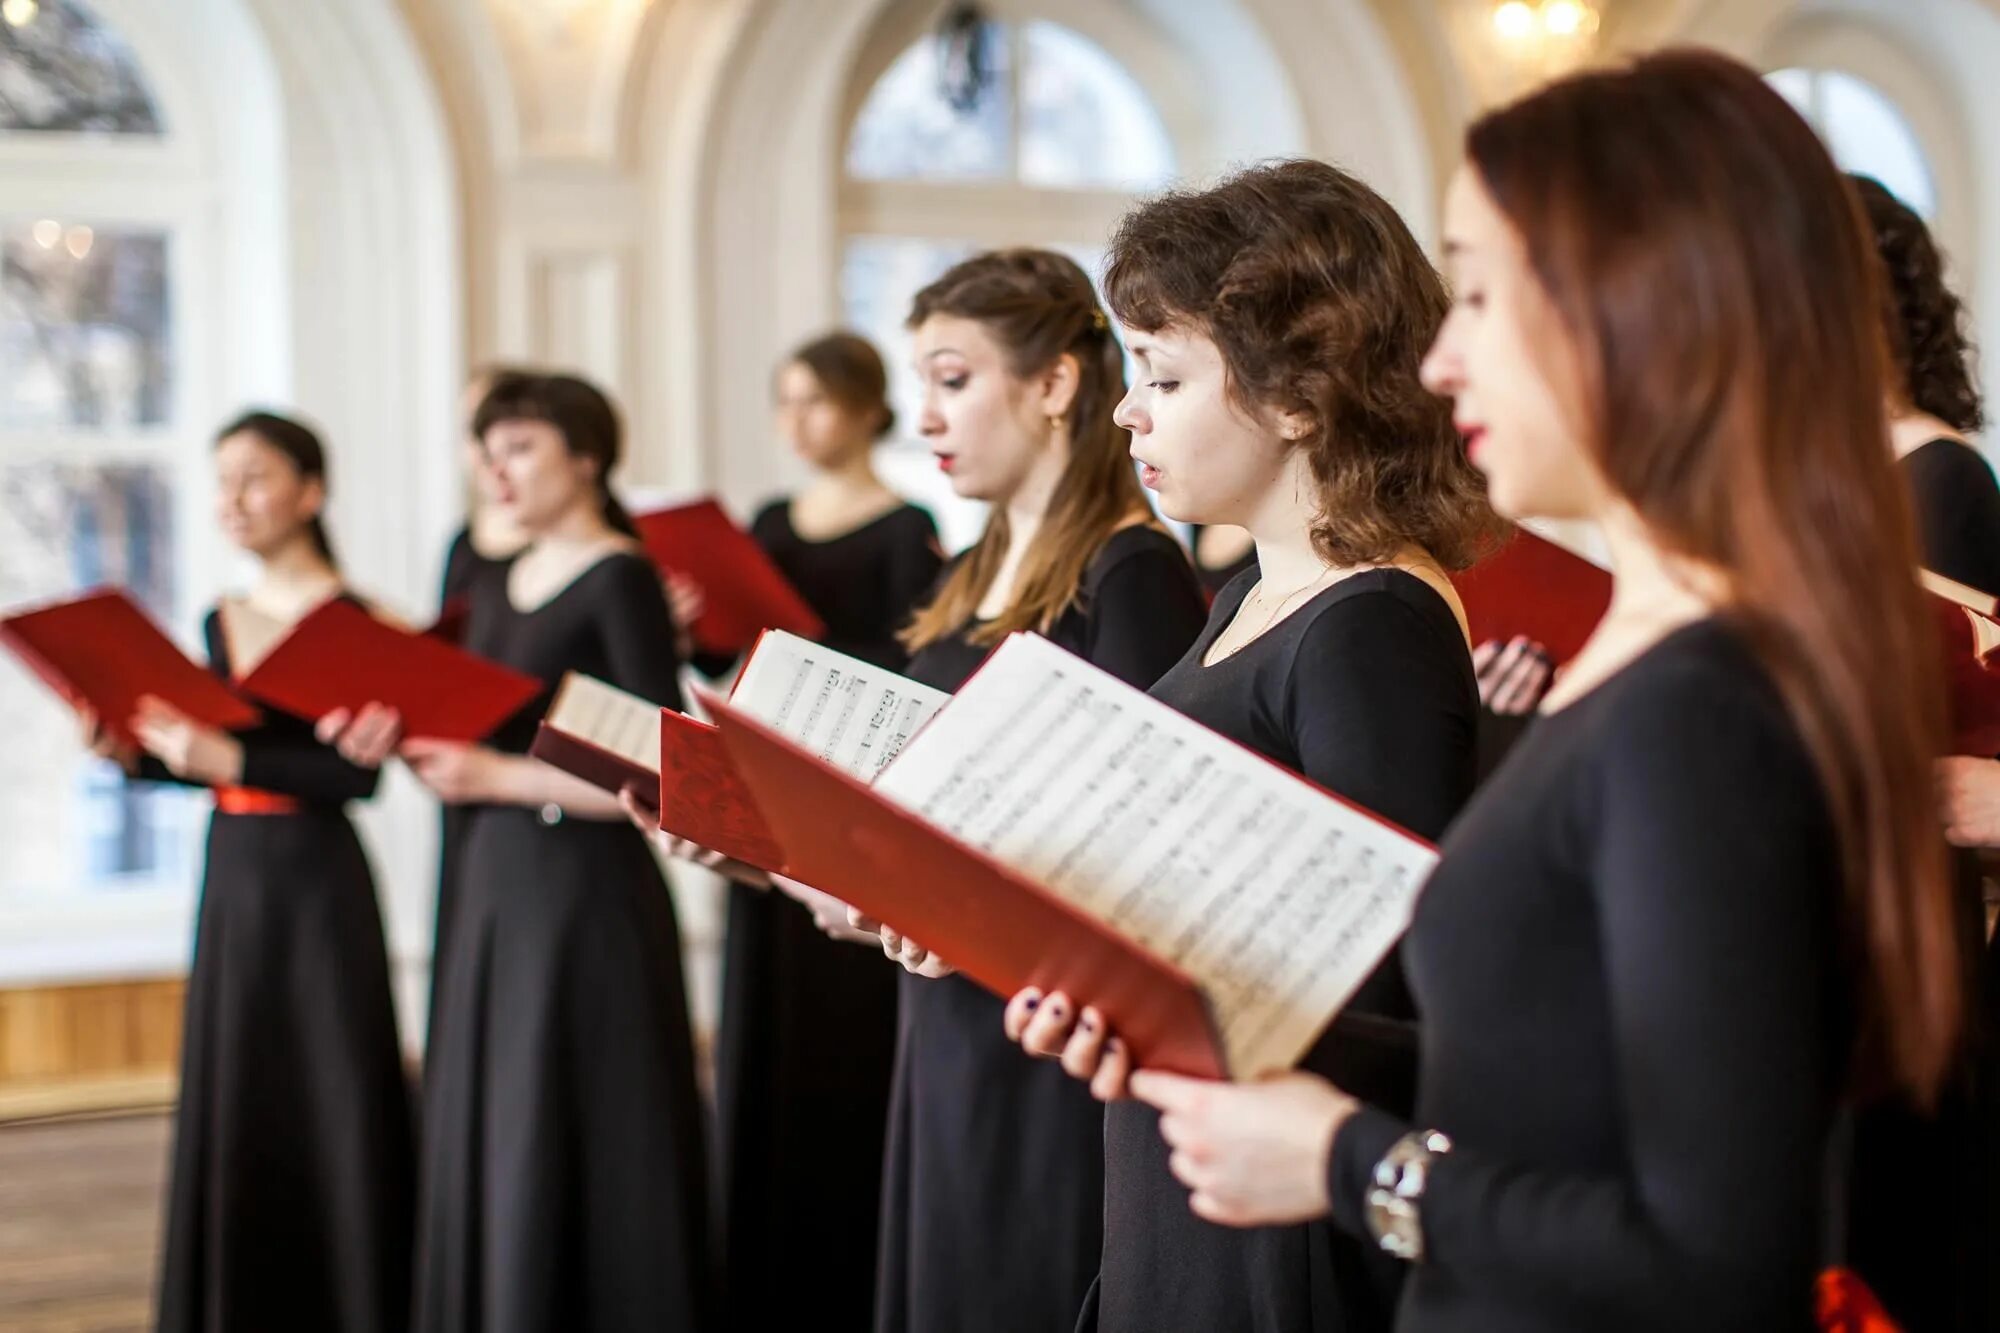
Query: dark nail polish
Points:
[1088, 1024]
[1030, 1003]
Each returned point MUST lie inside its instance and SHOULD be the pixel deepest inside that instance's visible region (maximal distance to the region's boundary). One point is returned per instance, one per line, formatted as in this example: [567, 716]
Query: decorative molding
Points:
[582, 314]
[569, 62]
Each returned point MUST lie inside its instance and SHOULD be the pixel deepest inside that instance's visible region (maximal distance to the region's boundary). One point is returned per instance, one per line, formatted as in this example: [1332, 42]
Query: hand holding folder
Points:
[1536, 589]
[339, 658]
[742, 592]
[100, 653]
[1055, 828]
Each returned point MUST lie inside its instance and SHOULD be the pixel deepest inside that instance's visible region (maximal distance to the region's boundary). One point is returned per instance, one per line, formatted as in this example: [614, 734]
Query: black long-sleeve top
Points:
[1633, 1025]
[280, 752]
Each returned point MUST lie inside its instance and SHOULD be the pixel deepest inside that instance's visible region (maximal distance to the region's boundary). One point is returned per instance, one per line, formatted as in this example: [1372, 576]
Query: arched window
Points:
[95, 455]
[1021, 133]
[1864, 130]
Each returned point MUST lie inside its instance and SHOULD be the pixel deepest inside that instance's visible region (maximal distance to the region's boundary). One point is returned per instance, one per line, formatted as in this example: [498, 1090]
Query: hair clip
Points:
[1097, 319]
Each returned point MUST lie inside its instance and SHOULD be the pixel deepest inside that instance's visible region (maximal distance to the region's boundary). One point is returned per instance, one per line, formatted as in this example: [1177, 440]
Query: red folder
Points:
[604, 769]
[449, 627]
[999, 928]
[101, 652]
[342, 657]
[745, 593]
[705, 800]
[1972, 645]
[1533, 587]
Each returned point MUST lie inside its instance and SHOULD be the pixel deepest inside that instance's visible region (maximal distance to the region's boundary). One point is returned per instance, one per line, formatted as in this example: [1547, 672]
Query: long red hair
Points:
[1714, 273]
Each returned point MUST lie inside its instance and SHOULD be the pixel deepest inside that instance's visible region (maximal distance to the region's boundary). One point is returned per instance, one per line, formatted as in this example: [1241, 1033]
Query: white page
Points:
[1276, 898]
[609, 718]
[854, 715]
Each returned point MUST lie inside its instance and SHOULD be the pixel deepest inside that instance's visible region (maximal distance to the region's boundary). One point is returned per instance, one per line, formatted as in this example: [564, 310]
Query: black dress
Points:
[808, 1030]
[562, 1153]
[462, 567]
[1368, 690]
[1634, 1024]
[993, 1187]
[293, 1174]
[1958, 511]
[1936, 1277]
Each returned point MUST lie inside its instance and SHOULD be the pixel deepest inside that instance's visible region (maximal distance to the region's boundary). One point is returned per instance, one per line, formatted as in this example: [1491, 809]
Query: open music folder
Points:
[100, 651]
[340, 656]
[852, 714]
[744, 592]
[1056, 827]
[1538, 588]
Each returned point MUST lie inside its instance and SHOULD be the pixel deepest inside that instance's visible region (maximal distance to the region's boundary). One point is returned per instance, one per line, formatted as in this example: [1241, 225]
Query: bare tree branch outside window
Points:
[63, 71]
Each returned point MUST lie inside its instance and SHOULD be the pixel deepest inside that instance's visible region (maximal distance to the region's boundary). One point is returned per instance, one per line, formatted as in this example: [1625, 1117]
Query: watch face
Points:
[1395, 1225]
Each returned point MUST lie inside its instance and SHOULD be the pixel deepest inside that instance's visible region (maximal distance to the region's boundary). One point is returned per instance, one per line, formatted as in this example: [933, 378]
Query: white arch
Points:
[740, 118]
[1880, 58]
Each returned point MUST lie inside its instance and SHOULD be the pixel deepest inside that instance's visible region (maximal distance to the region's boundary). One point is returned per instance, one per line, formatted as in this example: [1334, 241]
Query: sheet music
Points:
[852, 714]
[608, 718]
[1276, 898]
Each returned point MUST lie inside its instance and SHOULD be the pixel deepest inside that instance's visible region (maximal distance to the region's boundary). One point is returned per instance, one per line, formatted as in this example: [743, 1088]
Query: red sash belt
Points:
[250, 801]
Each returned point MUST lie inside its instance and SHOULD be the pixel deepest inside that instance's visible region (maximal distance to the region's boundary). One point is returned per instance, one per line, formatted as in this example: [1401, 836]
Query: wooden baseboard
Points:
[48, 1099]
[74, 1049]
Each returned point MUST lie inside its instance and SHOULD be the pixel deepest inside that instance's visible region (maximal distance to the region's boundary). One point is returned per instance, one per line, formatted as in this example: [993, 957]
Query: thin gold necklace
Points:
[1277, 611]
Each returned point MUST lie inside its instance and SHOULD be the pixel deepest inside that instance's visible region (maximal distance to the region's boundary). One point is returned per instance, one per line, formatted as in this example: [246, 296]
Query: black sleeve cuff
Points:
[1362, 1142]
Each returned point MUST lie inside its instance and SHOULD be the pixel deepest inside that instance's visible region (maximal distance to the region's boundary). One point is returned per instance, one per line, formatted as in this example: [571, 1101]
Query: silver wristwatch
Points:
[1393, 1216]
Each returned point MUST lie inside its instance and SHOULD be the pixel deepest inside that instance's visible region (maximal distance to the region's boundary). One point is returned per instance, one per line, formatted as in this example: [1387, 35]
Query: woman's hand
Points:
[99, 741]
[1512, 679]
[459, 774]
[686, 599]
[1969, 790]
[366, 737]
[830, 914]
[914, 957]
[1252, 1154]
[189, 749]
[647, 821]
[1050, 1026]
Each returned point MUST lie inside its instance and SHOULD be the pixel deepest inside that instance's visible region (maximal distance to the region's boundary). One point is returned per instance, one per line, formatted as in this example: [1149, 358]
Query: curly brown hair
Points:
[1321, 303]
[1924, 319]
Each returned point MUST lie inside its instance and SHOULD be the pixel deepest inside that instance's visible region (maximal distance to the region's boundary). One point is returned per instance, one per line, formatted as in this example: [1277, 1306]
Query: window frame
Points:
[992, 213]
[1918, 91]
[164, 183]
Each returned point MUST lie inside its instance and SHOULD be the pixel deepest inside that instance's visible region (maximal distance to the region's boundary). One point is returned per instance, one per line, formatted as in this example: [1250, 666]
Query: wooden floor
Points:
[79, 1223]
